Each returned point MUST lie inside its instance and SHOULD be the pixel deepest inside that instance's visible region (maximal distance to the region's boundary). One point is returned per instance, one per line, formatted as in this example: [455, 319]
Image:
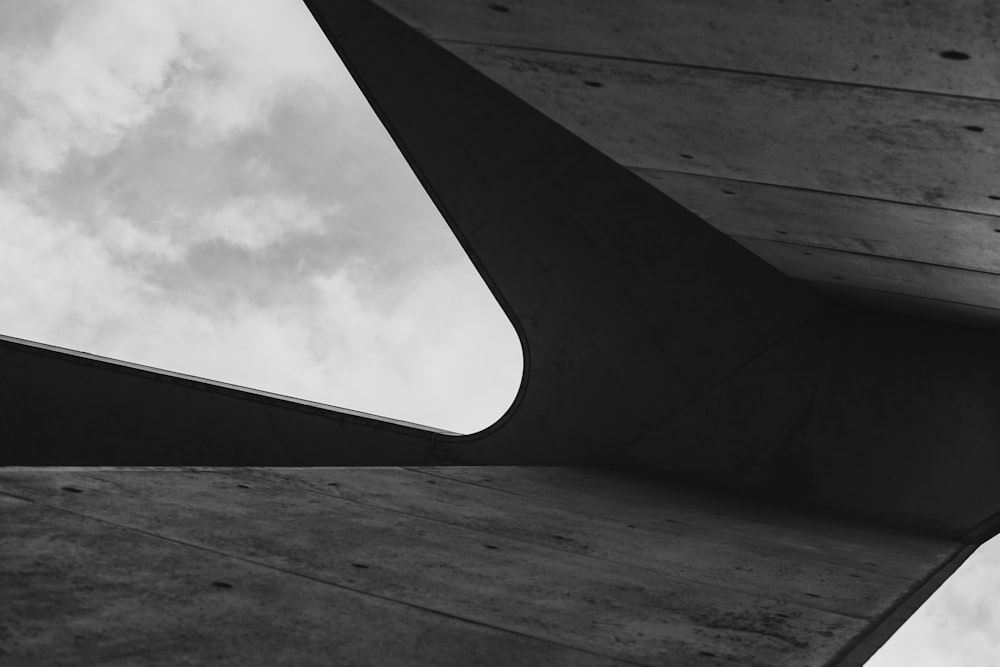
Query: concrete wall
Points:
[433, 566]
[627, 304]
[653, 341]
[850, 145]
[896, 421]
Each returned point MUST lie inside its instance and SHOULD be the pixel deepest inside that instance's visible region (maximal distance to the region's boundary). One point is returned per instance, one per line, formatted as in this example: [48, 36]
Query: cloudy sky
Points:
[204, 190]
[959, 626]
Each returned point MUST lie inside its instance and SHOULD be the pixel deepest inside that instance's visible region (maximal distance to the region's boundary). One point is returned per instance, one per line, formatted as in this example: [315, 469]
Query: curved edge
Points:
[447, 216]
[260, 396]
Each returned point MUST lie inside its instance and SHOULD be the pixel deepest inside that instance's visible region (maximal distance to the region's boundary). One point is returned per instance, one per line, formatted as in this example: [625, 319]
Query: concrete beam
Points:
[653, 342]
[453, 566]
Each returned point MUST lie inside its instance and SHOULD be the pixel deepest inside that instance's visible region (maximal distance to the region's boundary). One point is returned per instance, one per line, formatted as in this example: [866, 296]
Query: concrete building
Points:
[750, 254]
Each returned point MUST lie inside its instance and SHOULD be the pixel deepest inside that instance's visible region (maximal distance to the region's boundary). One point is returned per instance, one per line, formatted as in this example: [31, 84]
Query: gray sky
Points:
[959, 626]
[195, 186]
[198, 185]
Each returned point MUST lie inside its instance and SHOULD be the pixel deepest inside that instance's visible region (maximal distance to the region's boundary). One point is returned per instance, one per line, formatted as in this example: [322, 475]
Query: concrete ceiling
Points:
[850, 144]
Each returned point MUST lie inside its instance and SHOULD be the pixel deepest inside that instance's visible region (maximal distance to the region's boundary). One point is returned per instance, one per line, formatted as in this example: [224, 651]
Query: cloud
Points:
[956, 627]
[257, 222]
[199, 187]
[110, 65]
[441, 355]
[250, 58]
[58, 279]
[101, 74]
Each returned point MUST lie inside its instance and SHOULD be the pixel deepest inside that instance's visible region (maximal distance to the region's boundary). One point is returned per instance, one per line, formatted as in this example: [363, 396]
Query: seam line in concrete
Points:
[318, 580]
[888, 258]
[538, 496]
[851, 286]
[660, 573]
[638, 169]
[724, 70]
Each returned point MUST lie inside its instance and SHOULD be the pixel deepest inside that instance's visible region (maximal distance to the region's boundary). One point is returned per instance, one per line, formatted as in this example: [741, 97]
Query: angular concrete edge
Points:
[62, 407]
[669, 328]
[673, 308]
[627, 304]
[159, 564]
[878, 633]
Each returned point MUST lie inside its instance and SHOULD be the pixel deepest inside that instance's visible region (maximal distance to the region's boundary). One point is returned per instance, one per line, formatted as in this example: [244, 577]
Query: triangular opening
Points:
[205, 190]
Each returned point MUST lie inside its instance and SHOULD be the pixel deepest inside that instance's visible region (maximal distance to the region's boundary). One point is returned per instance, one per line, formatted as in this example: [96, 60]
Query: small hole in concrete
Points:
[333, 483]
[360, 566]
[813, 595]
[996, 230]
[560, 537]
[728, 192]
[954, 55]
[807, 254]
[593, 84]
[686, 156]
[780, 231]
[974, 128]
[838, 278]
[72, 489]
[993, 197]
[500, 9]
[630, 525]
[707, 654]
[491, 546]
[431, 481]
[242, 486]
[221, 584]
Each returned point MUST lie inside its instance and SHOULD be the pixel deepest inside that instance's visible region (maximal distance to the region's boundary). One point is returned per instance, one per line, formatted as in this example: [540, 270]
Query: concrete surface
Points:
[430, 566]
[880, 43]
[654, 343]
[851, 126]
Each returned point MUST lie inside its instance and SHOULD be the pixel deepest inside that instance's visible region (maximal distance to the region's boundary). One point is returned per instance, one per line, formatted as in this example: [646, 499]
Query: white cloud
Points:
[256, 222]
[250, 56]
[112, 64]
[101, 74]
[57, 279]
[443, 355]
[143, 222]
[123, 237]
[957, 626]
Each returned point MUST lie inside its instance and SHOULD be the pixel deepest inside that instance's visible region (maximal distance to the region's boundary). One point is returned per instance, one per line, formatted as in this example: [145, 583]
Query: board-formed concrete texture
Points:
[432, 566]
[749, 252]
[841, 142]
